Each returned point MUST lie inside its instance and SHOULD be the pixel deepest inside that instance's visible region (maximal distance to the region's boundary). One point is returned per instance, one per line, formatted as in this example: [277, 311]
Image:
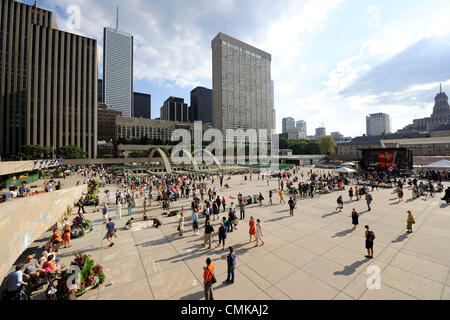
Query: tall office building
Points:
[242, 95]
[48, 82]
[320, 132]
[118, 70]
[174, 109]
[288, 124]
[142, 105]
[378, 124]
[201, 105]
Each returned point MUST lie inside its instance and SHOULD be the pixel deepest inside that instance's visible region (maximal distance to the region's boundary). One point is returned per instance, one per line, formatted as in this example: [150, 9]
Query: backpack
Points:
[371, 236]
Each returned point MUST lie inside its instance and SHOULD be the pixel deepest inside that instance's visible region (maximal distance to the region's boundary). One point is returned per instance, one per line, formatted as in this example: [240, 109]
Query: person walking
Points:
[252, 230]
[409, 222]
[209, 230]
[258, 234]
[130, 206]
[80, 205]
[223, 203]
[195, 222]
[231, 262]
[111, 227]
[357, 193]
[282, 196]
[270, 196]
[145, 205]
[291, 204]
[399, 194]
[208, 279]
[370, 237]
[118, 210]
[66, 236]
[222, 235]
[181, 223]
[260, 199]
[350, 193]
[242, 209]
[355, 218]
[230, 222]
[340, 203]
[369, 201]
[105, 211]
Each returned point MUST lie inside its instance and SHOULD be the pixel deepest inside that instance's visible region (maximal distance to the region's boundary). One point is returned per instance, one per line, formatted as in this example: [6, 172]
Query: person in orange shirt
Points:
[57, 240]
[66, 236]
[208, 276]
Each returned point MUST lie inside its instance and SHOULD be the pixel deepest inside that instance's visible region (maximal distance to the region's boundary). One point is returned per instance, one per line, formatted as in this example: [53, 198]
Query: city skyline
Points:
[331, 82]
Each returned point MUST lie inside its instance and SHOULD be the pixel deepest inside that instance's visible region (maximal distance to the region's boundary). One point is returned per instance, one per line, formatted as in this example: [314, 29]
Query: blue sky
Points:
[333, 61]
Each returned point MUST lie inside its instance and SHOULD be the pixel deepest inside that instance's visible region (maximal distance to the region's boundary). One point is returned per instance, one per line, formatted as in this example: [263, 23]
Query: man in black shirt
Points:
[209, 230]
[291, 206]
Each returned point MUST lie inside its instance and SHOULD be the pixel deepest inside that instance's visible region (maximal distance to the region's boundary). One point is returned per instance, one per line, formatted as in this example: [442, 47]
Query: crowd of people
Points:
[206, 194]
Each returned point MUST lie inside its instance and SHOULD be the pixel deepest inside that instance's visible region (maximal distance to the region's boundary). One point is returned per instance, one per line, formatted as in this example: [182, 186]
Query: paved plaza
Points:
[313, 255]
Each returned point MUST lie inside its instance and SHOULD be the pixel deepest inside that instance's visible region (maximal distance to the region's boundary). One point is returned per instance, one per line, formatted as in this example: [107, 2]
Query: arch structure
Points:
[191, 159]
[216, 161]
[163, 156]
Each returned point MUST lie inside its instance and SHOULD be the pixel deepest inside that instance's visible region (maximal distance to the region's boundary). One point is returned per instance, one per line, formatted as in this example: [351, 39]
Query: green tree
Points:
[70, 152]
[313, 147]
[137, 154]
[34, 152]
[327, 145]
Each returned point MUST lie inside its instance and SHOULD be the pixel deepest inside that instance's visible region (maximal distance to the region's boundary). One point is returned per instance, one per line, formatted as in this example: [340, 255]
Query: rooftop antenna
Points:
[117, 19]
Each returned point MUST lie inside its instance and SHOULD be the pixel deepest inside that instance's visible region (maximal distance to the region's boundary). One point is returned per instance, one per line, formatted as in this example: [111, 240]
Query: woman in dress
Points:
[252, 230]
[258, 234]
[66, 236]
[355, 216]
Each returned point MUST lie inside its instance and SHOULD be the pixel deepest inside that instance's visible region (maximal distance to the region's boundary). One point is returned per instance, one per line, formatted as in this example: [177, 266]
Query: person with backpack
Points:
[369, 201]
[370, 237]
[80, 205]
[208, 279]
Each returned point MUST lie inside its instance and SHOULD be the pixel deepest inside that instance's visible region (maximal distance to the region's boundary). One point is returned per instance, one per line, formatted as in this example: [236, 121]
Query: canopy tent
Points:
[444, 164]
[344, 170]
[349, 164]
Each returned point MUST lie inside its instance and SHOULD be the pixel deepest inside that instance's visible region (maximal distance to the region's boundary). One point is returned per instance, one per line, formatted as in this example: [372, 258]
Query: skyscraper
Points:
[201, 105]
[142, 105]
[377, 124]
[100, 91]
[48, 82]
[242, 95]
[301, 125]
[288, 124]
[118, 70]
[174, 109]
[320, 132]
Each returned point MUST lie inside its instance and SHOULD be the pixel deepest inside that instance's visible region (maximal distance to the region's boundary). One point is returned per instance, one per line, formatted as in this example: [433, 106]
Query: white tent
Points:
[344, 170]
[444, 164]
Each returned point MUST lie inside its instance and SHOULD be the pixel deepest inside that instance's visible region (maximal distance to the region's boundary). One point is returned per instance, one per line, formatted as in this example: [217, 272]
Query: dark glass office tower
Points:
[202, 105]
[142, 105]
[174, 109]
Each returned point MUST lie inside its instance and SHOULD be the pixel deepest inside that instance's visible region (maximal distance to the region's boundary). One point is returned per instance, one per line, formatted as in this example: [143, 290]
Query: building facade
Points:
[378, 124]
[242, 95]
[288, 124]
[320, 132]
[440, 115]
[106, 122]
[174, 109]
[136, 128]
[48, 82]
[202, 105]
[100, 91]
[118, 70]
[142, 105]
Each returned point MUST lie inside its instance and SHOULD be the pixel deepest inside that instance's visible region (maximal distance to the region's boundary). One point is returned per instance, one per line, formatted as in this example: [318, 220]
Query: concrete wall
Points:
[22, 221]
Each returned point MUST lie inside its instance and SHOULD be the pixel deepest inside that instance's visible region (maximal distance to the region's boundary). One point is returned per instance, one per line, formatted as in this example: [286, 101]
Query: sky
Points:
[333, 61]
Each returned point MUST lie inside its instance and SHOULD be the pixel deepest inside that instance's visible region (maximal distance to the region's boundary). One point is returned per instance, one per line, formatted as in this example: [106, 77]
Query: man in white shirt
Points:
[49, 186]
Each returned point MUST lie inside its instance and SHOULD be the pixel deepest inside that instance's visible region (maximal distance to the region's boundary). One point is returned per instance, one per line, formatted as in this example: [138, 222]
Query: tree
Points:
[137, 154]
[34, 152]
[313, 147]
[70, 152]
[327, 145]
